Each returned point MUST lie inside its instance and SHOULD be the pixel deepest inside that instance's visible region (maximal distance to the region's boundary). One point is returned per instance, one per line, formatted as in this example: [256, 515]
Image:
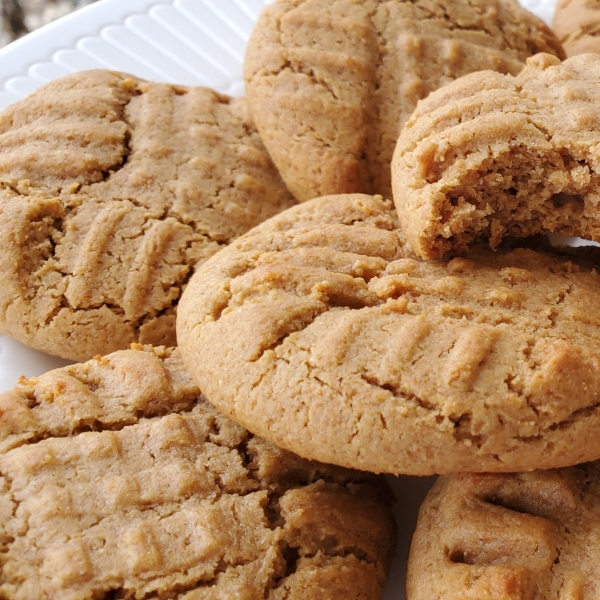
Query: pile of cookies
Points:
[324, 333]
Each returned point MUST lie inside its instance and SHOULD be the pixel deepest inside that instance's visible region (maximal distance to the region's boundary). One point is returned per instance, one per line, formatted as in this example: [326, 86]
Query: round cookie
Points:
[577, 25]
[331, 84]
[117, 479]
[111, 190]
[319, 332]
[527, 536]
[493, 155]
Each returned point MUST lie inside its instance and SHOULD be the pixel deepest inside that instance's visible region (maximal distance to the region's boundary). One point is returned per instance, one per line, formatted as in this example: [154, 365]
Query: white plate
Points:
[193, 42]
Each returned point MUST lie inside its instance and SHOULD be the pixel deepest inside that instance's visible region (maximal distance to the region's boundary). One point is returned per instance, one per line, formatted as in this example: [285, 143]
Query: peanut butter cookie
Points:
[111, 190]
[118, 480]
[331, 83]
[577, 25]
[528, 536]
[318, 331]
[492, 155]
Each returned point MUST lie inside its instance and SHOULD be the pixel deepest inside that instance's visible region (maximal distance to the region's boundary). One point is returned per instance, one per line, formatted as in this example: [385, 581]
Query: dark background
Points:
[19, 17]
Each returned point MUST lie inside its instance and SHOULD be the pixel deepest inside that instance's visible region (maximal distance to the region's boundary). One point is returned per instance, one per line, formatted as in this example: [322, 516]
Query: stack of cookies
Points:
[354, 265]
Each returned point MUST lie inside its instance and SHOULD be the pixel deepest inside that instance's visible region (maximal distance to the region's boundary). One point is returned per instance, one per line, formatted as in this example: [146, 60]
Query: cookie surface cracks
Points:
[319, 332]
[117, 479]
[331, 83]
[528, 536]
[111, 190]
[491, 155]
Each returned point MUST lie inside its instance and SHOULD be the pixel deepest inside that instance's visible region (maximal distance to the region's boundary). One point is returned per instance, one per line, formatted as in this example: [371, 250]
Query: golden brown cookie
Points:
[577, 25]
[528, 536]
[118, 480]
[331, 84]
[319, 332]
[111, 190]
[493, 155]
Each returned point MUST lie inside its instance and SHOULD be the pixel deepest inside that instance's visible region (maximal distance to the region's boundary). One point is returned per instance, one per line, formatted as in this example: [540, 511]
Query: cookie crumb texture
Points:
[577, 25]
[320, 331]
[491, 155]
[528, 536]
[111, 190]
[331, 83]
[118, 480]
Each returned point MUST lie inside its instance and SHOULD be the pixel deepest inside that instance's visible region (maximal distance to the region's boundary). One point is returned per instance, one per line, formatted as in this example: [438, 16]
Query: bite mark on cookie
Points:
[486, 158]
